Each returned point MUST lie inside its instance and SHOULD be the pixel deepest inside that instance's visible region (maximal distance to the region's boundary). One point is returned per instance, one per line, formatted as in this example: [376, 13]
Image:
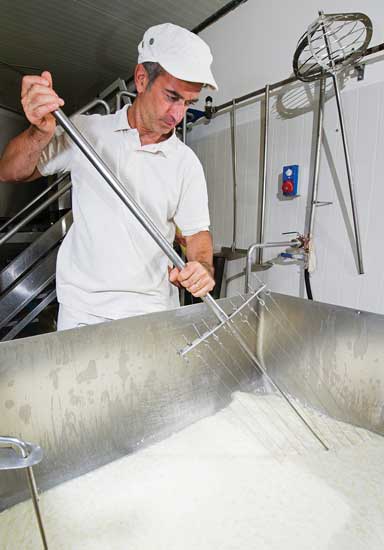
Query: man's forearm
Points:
[197, 275]
[200, 249]
[20, 157]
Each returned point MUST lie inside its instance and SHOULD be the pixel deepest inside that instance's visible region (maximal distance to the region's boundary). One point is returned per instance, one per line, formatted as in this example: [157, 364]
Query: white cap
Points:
[180, 52]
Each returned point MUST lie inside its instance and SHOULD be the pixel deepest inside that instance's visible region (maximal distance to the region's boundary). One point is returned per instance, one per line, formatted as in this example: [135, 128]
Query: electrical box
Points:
[290, 180]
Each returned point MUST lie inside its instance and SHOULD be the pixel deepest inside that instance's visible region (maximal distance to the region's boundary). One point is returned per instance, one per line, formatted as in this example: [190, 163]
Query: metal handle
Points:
[14, 442]
[130, 202]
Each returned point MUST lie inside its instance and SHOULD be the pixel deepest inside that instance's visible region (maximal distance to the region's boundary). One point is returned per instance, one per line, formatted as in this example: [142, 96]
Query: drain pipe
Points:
[262, 195]
[315, 186]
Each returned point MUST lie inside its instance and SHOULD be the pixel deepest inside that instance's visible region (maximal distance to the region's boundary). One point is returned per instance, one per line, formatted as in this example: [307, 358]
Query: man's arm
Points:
[20, 157]
[197, 275]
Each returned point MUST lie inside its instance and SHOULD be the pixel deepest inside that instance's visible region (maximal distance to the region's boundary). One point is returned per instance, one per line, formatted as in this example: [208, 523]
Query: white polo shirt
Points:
[107, 264]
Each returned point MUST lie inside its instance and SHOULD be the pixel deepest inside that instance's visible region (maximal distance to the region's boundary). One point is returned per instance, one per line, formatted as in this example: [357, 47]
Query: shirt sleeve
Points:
[58, 155]
[192, 213]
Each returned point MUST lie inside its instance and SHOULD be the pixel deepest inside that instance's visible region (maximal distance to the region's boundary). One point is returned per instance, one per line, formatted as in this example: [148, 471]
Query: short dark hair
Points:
[154, 70]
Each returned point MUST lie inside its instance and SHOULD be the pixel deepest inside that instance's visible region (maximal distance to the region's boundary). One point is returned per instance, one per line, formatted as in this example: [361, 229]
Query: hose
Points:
[307, 279]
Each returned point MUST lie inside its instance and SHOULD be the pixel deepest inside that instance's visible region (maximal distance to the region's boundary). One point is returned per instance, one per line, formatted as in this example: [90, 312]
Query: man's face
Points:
[166, 101]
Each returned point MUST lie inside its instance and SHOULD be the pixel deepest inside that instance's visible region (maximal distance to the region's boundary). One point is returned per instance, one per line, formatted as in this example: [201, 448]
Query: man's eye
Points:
[172, 98]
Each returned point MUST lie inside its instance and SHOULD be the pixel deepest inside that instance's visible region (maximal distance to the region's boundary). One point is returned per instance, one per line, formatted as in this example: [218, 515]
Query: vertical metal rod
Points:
[262, 195]
[184, 138]
[185, 128]
[316, 171]
[349, 174]
[35, 500]
[346, 150]
[234, 172]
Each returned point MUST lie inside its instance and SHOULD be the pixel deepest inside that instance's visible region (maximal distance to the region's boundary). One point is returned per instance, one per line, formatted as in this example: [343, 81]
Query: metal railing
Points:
[35, 212]
[55, 196]
[124, 93]
[26, 282]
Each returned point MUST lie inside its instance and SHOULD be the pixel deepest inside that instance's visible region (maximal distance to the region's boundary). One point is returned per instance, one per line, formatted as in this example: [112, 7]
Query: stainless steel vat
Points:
[91, 395]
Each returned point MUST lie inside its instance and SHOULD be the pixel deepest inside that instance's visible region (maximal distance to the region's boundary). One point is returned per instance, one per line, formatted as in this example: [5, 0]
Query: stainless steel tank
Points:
[91, 395]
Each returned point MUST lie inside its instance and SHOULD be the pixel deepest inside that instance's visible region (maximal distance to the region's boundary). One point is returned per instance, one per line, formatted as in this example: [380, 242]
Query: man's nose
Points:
[178, 111]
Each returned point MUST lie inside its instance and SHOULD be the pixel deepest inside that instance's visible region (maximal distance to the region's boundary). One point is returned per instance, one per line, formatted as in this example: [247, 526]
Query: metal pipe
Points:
[22, 446]
[350, 179]
[34, 213]
[184, 138]
[35, 501]
[346, 152]
[316, 171]
[234, 173]
[36, 199]
[261, 217]
[185, 128]
[217, 15]
[258, 246]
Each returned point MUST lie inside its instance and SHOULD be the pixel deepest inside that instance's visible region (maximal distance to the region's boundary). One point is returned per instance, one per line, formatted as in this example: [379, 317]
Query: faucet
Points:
[297, 243]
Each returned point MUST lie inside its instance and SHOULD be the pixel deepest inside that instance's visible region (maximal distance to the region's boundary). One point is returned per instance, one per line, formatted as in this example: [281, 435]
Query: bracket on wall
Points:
[360, 71]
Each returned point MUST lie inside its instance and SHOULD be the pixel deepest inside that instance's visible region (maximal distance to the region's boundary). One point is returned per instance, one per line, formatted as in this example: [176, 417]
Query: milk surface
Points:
[249, 477]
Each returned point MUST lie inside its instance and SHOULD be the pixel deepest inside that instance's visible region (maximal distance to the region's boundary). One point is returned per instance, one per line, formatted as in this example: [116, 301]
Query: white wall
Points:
[254, 45]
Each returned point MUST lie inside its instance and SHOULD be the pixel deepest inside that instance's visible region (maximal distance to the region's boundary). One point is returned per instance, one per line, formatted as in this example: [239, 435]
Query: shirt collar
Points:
[166, 147]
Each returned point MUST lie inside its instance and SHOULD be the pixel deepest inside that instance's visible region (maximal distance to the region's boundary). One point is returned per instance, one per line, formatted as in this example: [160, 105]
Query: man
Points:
[108, 267]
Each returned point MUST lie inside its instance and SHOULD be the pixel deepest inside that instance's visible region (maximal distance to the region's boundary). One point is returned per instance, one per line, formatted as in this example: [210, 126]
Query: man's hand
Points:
[196, 277]
[39, 100]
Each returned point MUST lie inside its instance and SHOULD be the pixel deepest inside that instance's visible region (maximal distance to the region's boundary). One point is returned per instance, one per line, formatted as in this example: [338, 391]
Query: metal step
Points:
[18, 327]
[26, 259]
[27, 288]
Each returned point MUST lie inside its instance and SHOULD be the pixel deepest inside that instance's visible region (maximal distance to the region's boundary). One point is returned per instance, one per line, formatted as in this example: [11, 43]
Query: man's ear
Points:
[141, 78]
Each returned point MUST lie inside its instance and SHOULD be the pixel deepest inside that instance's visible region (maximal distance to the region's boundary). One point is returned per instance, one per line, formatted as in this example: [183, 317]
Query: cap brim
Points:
[188, 74]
